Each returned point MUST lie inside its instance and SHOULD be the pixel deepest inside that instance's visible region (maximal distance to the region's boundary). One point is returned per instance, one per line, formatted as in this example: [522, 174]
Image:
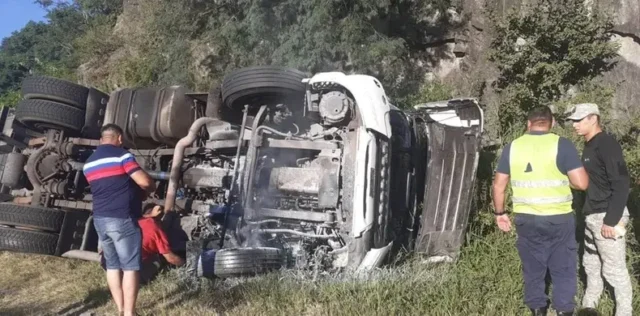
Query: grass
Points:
[485, 281]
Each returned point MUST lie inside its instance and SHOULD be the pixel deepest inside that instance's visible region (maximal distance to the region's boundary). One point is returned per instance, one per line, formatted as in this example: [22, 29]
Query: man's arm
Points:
[578, 179]
[618, 175]
[501, 179]
[139, 176]
[500, 182]
[569, 163]
[144, 181]
[173, 259]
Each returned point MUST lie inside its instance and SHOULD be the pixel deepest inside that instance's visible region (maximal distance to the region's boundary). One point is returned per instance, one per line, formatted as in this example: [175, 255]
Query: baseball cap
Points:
[580, 111]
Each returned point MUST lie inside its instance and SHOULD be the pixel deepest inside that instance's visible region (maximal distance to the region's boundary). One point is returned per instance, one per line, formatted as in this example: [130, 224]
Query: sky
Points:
[15, 14]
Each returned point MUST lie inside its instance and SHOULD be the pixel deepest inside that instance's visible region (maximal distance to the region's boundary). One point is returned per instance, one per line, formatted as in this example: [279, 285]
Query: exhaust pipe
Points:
[178, 155]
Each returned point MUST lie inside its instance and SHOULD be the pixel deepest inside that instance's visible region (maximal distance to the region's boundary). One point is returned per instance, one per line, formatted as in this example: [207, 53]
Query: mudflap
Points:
[453, 135]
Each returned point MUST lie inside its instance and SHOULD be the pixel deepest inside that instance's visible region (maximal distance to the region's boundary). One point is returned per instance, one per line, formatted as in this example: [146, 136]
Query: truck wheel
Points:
[263, 85]
[31, 216]
[40, 115]
[235, 262]
[53, 89]
[28, 241]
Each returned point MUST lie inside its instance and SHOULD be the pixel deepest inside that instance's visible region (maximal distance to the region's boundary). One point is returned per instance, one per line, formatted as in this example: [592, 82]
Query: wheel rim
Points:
[44, 127]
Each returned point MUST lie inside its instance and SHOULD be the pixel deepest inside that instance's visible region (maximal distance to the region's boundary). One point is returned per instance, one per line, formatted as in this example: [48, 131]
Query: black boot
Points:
[539, 311]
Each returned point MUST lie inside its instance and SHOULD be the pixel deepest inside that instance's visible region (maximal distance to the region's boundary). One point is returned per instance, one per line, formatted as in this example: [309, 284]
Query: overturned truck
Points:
[271, 169]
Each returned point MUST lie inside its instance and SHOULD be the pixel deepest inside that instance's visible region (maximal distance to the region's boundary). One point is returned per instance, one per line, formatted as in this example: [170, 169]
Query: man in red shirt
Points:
[154, 244]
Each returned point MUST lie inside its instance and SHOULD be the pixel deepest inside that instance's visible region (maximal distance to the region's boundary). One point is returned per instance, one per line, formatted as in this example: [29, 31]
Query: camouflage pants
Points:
[606, 258]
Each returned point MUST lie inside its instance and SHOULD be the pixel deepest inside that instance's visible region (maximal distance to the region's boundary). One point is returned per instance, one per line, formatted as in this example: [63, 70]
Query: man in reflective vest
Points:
[542, 168]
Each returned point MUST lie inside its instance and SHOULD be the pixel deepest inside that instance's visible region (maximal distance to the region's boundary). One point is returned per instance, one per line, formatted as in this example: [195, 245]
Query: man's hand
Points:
[504, 223]
[608, 231]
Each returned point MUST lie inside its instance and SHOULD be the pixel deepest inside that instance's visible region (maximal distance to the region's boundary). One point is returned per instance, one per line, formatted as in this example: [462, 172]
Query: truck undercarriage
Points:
[271, 169]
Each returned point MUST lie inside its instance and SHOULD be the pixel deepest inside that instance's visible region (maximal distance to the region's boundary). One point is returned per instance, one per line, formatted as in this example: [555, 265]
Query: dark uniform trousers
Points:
[548, 242]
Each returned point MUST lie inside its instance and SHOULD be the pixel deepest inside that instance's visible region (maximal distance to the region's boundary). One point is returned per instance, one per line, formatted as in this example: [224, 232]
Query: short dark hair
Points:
[149, 207]
[540, 115]
[111, 128]
[596, 115]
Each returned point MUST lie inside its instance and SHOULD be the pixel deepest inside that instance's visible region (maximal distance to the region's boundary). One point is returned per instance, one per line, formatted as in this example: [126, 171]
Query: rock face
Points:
[471, 65]
[626, 15]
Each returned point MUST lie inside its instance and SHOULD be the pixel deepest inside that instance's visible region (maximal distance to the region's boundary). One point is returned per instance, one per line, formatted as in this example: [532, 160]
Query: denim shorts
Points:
[121, 242]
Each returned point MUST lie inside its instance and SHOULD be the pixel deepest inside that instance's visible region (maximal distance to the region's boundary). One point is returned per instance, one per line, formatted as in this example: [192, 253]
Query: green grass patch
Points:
[486, 280]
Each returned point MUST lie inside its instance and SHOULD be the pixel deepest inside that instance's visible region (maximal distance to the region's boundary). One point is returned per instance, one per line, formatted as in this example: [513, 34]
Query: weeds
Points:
[486, 280]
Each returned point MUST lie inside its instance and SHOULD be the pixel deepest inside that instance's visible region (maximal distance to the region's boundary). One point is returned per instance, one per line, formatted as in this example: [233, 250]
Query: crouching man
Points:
[156, 250]
[155, 243]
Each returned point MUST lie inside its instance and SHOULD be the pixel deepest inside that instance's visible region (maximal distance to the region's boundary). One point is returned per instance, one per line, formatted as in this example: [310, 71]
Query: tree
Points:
[50, 48]
[381, 38]
[544, 50]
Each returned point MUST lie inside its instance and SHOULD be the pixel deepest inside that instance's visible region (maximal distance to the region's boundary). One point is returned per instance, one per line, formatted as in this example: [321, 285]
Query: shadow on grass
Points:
[192, 294]
[94, 300]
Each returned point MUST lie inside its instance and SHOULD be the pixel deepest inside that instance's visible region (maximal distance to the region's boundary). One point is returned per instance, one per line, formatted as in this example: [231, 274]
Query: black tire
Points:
[28, 241]
[262, 85]
[40, 115]
[31, 216]
[235, 262]
[53, 89]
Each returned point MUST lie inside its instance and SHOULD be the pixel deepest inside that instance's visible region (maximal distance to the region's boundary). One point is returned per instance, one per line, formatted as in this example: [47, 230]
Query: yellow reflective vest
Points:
[538, 186]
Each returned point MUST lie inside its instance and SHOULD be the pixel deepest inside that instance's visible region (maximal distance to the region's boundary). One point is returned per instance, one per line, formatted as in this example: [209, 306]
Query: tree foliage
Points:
[544, 50]
[50, 47]
[195, 42]
[381, 38]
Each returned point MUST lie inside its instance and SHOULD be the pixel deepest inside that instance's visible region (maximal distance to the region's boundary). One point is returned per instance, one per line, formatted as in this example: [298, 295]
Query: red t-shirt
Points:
[154, 240]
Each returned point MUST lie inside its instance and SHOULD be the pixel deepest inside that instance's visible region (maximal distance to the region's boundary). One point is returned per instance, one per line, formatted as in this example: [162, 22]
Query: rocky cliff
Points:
[469, 69]
[460, 60]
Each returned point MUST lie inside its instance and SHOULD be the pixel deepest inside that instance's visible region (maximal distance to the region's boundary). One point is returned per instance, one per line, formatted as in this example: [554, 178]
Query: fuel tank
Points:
[151, 117]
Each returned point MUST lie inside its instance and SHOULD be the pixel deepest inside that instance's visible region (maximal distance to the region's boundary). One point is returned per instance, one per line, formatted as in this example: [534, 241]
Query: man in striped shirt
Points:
[118, 186]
